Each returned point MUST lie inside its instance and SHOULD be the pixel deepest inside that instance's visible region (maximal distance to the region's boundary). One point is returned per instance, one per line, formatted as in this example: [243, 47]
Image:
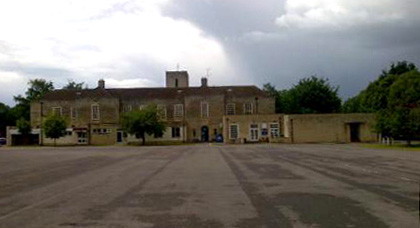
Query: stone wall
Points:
[325, 128]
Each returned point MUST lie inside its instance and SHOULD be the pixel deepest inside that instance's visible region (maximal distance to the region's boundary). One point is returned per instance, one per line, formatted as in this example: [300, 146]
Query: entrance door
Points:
[119, 136]
[254, 136]
[355, 132]
[204, 134]
[81, 138]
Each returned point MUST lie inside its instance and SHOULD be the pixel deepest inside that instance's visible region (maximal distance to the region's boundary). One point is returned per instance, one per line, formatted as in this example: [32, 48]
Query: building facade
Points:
[301, 128]
[191, 114]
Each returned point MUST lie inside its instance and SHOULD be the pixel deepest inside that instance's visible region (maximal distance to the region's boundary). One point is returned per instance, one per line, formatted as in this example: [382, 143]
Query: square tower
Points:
[176, 79]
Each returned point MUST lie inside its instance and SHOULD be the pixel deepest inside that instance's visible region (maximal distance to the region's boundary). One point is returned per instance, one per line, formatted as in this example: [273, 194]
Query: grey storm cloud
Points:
[351, 55]
[34, 70]
[133, 42]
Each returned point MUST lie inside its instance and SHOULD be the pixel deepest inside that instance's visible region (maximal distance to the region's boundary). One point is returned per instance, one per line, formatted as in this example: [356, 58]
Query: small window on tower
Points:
[176, 82]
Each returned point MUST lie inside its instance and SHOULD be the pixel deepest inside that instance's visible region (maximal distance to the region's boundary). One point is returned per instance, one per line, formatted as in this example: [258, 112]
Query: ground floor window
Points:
[82, 137]
[274, 130]
[102, 130]
[233, 131]
[176, 132]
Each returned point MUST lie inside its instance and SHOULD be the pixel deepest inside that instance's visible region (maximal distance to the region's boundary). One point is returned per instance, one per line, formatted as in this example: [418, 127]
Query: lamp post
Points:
[41, 123]
[256, 105]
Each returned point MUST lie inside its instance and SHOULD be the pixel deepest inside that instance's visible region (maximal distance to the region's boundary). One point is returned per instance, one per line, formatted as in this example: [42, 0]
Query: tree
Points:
[37, 89]
[272, 92]
[312, 95]
[24, 126]
[55, 127]
[73, 85]
[400, 68]
[401, 118]
[375, 97]
[352, 105]
[143, 122]
[4, 118]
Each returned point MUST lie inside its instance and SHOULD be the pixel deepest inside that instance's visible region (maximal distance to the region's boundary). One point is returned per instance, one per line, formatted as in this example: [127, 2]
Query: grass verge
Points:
[402, 147]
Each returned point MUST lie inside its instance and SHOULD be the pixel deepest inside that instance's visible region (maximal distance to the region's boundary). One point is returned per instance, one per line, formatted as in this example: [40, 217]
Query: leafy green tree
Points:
[272, 92]
[405, 91]
[401, 118]
[399, 68]
[375, 96]
[312, 95]
[140, 123]
[37, 89]
[5, 119]
[352, 105]
[21, 110]
[24, 126]
[55, 127]
[74, 85]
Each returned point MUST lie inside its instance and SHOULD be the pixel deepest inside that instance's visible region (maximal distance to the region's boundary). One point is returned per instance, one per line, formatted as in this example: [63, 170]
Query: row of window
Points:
[102, 130]
[231, 109]
[161, 109]
[273, 127]
[73, 112]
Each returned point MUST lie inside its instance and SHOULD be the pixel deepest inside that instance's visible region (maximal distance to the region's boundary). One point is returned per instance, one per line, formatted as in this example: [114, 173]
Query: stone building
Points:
[191, 114]
[307, 128]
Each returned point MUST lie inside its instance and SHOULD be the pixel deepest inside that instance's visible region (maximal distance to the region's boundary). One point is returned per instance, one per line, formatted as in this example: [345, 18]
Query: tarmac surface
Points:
[207, 185]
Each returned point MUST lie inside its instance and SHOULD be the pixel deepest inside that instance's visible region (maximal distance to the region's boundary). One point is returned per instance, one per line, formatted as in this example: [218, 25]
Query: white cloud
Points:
[99, 38]
[11, 83]
[344, 13]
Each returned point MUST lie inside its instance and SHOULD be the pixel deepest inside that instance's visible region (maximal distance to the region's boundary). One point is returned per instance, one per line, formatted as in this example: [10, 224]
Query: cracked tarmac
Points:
[208, 185]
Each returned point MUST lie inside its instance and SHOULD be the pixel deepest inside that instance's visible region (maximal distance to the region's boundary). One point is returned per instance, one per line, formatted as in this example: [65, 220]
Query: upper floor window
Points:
[178, 110]
[230, 109]
[161, 111]
[57, 111]
[73, 112]
[127, 108]
[95, 112]
[248, 109]
[204, 109]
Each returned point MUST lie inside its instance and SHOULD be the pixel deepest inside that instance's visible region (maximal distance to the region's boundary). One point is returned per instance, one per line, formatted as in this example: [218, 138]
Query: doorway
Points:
[119, 136]
[204, 134]
[253, 132]
[355, 132]
[81, 137]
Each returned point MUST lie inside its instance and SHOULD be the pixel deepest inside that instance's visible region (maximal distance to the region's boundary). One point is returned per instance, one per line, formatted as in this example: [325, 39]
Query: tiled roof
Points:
[66, 94]
[155, 93]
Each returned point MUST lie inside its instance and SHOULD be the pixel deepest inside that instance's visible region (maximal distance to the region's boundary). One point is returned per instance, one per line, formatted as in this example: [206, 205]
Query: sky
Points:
[132, 43]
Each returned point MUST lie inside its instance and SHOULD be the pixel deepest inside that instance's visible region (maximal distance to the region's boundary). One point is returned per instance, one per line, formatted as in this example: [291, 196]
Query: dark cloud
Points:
[349, 56]
[34, 70]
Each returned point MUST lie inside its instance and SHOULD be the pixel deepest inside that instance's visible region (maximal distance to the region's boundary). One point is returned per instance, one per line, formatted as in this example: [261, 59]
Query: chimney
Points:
[101, 84]
[204, 82]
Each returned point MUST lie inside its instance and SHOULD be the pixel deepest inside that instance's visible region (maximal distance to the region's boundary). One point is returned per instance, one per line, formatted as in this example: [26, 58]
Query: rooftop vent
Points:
[101, 84]
[204, 82]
